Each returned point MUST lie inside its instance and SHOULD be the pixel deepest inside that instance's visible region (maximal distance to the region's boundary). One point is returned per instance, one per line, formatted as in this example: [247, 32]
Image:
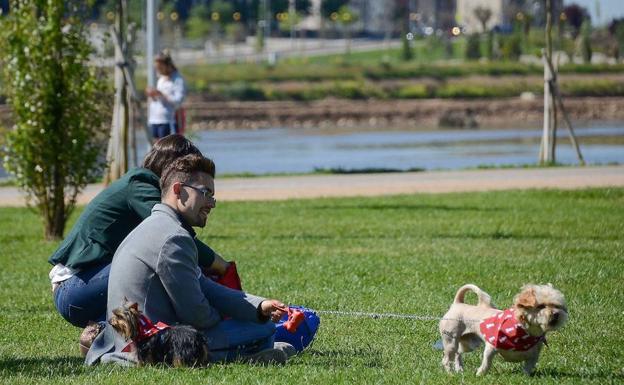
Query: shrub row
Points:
[199, 77]
[355, 90]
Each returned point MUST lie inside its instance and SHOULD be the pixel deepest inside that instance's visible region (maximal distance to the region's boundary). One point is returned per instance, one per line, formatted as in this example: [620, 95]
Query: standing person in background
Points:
[166, 98]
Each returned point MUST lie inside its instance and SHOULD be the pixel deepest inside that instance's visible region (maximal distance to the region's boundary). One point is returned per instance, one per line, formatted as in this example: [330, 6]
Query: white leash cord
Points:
[389, 315]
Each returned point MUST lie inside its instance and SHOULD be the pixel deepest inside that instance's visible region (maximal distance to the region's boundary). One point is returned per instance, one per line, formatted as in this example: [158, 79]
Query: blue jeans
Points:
[243, 338]
[162, 130]
[82, 298]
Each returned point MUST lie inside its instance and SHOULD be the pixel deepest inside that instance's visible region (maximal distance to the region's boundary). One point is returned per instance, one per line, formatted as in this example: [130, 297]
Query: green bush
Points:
[200, 78]
[58, 104]
[407, 53]
[351, 90]
[413, 91]
[358, 90]
[512, 47]
[473, 47]
[242, 91]
[593, 88]
[468, 90]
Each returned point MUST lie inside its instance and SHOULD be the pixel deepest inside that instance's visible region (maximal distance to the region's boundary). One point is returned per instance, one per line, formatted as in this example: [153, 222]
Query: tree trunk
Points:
[117, 154]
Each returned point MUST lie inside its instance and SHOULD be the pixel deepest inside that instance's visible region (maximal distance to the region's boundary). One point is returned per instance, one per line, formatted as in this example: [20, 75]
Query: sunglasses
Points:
[204, 191]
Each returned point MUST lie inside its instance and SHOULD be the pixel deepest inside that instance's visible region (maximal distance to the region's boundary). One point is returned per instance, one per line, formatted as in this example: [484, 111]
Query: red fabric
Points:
[230, 278]
[504, 332]
[180, 118]
[148, 329]
[295, 318]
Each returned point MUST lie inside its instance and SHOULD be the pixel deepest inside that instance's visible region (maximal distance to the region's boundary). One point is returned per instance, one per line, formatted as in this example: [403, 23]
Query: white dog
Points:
[518, 333]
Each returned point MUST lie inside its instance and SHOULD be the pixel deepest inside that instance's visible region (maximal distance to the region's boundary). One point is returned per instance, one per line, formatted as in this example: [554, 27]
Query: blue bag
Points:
[305, 332]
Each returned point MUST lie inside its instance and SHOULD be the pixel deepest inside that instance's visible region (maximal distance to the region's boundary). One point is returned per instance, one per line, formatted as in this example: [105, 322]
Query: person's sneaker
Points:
[286, 348]
[267, 357]
[88, 335]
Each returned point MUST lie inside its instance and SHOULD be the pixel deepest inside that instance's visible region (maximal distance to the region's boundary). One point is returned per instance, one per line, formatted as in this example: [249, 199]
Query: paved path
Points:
[312, 186]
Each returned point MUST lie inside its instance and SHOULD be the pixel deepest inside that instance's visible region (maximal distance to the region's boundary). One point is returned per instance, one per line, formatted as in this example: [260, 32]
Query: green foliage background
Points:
[58, 105]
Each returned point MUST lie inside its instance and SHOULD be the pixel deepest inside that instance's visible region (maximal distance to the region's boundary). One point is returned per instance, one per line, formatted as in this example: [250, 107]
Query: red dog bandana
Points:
[504, 332]
[148, 329]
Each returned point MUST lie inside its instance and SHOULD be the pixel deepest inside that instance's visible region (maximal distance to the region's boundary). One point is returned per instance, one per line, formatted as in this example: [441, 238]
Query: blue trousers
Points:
[162, 130]
[82, 298]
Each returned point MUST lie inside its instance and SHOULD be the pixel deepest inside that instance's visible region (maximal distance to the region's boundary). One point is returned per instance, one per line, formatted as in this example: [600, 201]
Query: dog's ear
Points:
[134, 306]
[526, 298]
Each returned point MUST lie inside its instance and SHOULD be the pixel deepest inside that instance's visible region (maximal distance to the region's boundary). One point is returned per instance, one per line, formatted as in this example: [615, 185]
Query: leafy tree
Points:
[511, 48]
[197, 25]
[331, 6]
[407, 53]
[136, 11]
[585, 42]
[347, 17]
[473, 47]
[222, 11]
[616, 29]
[281, 6]
[58, 107]
[483, 15]
[575, 16]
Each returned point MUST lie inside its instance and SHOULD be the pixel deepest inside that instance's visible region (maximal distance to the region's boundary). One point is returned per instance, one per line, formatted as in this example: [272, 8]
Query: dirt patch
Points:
[409, 114]
[383, 114]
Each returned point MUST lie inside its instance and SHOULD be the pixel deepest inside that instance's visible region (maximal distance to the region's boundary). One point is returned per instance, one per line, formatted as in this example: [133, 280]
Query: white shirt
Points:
[161, 109]
[60, 273]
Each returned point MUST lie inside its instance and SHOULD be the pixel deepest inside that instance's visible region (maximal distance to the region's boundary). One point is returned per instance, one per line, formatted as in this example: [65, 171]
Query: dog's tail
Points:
[484, 298]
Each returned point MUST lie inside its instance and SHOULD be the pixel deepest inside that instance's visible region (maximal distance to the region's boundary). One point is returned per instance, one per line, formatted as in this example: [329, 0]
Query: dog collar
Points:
[504, 332]
[147, 329]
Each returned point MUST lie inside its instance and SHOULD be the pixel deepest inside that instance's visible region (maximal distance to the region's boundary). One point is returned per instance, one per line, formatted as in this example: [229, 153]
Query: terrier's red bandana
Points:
[148, 329]
[504, 332]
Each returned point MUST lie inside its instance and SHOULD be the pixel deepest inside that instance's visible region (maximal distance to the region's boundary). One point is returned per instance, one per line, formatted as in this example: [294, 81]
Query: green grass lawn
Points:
[404, 254]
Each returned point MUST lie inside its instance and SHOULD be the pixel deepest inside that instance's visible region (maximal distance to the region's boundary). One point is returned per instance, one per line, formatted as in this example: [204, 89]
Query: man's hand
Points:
[272, 308]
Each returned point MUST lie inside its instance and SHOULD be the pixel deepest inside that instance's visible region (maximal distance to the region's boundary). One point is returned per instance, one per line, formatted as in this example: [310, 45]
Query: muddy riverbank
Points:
[398, 114]
[380, 114]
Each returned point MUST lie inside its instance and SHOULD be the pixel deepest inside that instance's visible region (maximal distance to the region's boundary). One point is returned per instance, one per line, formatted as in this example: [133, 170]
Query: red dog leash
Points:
[295, 318]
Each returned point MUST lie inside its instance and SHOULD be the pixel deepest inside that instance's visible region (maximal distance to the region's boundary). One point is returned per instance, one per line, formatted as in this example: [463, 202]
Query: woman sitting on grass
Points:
[82, 261]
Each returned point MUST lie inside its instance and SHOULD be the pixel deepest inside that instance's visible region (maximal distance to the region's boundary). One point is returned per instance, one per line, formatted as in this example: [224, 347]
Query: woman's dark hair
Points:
[166, 150]
[164, 57]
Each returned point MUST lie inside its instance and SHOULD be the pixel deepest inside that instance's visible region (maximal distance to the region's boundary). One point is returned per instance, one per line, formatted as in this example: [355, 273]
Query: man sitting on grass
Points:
[156, 267]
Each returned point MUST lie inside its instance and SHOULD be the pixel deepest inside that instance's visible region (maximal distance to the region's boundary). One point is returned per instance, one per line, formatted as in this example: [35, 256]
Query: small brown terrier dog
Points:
[517, 334]
[179, 345]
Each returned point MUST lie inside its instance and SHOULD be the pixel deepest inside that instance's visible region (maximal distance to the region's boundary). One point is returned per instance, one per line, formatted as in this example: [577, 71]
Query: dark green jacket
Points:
[110, 217]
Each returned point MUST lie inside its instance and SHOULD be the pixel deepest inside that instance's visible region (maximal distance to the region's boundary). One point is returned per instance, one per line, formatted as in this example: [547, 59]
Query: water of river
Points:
[283, 150]
[294, 150]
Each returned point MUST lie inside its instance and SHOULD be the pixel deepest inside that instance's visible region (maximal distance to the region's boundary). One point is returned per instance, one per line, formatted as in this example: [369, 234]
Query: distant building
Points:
[436, 14]
[375, 16]
[504, 13]
[378, 17]
[467, 18]
[312, 22]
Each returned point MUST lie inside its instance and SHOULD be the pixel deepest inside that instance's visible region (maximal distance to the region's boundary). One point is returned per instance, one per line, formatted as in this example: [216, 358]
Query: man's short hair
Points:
[184, 169]
[166, 150]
